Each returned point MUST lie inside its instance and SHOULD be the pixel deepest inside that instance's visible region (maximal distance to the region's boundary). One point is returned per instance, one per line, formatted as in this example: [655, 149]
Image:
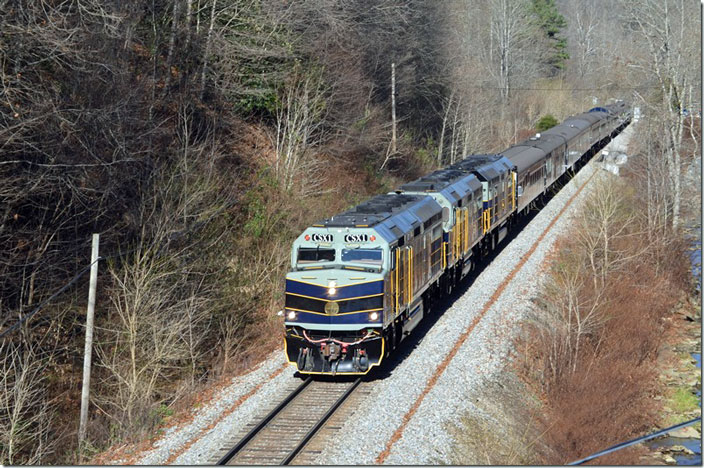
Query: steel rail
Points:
[256, 429]
[320, 423]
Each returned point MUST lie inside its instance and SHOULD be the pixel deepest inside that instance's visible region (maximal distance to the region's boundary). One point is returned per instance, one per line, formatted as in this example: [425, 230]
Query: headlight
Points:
[332, 288]
[291, 315]
[373, 316]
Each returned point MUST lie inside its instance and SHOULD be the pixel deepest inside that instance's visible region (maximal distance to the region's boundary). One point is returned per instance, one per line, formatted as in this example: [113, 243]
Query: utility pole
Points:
[393, 108]
[88, 351]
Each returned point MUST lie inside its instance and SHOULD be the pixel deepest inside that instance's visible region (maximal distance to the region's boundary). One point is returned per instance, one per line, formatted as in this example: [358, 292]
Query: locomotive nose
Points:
[337, 299]
[334, 321]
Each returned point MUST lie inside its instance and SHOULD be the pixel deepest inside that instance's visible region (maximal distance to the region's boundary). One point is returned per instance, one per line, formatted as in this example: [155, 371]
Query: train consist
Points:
[361, 280]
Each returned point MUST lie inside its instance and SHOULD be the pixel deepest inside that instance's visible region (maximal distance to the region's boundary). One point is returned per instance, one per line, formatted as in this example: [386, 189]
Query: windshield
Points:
[370, 256]
[307, 255]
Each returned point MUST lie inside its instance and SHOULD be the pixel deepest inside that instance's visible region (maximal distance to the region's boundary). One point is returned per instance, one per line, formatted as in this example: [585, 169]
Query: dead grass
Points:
[506, 433]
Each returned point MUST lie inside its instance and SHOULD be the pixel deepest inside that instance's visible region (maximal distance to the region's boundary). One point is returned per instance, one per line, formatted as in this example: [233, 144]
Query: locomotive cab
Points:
[355, 285]
[335, 301]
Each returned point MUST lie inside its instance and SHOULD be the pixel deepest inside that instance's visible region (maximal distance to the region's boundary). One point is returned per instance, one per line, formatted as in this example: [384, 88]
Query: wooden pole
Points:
[88, 351]
[393, 108]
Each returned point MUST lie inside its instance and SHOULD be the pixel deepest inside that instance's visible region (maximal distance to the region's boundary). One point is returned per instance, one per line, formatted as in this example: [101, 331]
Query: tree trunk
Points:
[206, 53]
[393, 108]
[441, 142]
[172, 43]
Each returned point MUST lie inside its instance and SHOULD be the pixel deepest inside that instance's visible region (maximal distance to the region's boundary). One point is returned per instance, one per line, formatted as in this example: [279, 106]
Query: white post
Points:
[88, 351]
[393, 108]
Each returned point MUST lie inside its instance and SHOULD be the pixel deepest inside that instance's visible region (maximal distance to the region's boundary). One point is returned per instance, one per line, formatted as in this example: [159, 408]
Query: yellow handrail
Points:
[486, 215]
[444, 255]
[398, 267]
[466, 230]
[455, 235]
[459, 224]
[410, 275]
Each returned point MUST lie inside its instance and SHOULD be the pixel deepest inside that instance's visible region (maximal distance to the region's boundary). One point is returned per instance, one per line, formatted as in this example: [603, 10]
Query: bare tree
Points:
[141, 347]
[512, 43]
[564, 317]
[668, 28]
[208, 45]
[172, 45]
[25, 409]
[448, 103]
[299, 128]
[603, 223]
[247, 40]
[571, 306]
[163, 295]
[585, 40]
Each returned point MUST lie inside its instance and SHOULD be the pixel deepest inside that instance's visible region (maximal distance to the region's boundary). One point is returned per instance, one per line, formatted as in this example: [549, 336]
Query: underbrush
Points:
[593, 337]
[497, 431]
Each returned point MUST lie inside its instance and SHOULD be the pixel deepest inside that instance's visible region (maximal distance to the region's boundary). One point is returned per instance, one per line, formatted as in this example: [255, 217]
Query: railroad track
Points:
[282, 434]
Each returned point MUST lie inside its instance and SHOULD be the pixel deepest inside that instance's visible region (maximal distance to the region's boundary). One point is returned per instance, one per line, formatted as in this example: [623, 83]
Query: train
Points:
[360, 281]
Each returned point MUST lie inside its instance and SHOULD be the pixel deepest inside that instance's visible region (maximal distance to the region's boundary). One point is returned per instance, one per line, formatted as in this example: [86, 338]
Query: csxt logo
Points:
[356, 238]
[322, 237]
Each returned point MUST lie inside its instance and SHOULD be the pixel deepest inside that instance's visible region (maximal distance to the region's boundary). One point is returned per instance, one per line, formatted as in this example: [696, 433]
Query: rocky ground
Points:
[681, 379]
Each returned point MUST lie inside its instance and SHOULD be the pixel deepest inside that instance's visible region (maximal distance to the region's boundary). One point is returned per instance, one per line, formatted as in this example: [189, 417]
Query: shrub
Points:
[546, 122]
[597, 328]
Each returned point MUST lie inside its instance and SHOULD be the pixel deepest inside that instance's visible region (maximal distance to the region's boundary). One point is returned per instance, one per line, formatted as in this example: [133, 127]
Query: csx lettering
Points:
[322, 237]
[356, 238]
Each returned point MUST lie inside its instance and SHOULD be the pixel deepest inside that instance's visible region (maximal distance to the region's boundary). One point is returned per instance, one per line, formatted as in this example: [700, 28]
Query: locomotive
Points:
[362, 280]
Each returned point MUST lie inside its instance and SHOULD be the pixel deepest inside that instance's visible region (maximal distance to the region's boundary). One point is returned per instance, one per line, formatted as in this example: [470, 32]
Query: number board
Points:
[356, 238]
[322, 237]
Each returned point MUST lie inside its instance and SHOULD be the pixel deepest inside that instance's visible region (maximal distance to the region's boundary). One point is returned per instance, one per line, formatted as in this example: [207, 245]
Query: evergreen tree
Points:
[551, 22]
[546, 122]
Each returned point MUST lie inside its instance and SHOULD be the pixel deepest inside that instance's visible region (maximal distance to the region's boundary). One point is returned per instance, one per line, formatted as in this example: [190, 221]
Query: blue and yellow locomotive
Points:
[352, 275]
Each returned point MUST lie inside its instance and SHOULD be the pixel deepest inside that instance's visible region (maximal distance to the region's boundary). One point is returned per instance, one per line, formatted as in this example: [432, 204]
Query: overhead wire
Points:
[17, 324]
[23, 319]
[174, 236]
[604, 88]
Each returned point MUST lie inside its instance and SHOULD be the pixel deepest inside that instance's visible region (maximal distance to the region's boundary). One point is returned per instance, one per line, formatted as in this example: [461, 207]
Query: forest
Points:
[199, 137]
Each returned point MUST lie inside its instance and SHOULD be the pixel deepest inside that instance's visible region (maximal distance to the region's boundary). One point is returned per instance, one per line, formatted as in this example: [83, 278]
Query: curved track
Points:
[281, 435]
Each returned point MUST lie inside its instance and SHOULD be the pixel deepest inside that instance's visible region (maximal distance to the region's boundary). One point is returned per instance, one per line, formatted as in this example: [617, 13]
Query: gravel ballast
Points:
[425, 439]
[198, 439]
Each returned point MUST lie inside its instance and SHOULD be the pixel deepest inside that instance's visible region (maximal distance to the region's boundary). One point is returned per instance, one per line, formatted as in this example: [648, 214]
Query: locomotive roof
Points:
[452, 184]
[485, 166]
[435, 181]
[405, 221]
[376, 210]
